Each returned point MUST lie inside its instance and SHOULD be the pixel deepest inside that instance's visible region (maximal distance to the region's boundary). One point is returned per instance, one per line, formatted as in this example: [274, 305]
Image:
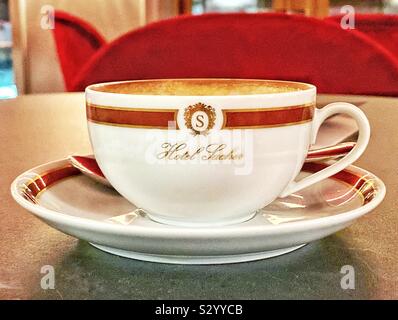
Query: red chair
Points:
[268, 46]
[380, 27]
[76, 42]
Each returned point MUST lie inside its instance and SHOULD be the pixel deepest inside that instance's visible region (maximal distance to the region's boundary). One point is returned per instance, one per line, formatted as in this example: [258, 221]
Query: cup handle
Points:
[320, 116]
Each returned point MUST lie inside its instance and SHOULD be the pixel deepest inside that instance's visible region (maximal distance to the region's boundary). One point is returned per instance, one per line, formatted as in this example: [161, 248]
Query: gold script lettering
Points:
[217, 152]
[179, 151]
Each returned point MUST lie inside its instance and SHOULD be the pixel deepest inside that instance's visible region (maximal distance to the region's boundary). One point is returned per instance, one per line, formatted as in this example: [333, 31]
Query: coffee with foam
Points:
[202, 87]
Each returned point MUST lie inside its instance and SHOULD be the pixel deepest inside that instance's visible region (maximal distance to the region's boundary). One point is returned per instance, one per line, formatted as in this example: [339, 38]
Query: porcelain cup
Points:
[208, 152]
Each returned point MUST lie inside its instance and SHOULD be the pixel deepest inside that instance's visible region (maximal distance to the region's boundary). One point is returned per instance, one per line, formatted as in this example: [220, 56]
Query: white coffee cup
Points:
[205, 152]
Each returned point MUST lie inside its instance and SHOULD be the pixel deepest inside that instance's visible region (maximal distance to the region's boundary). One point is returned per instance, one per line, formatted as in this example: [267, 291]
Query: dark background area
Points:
[4, 10]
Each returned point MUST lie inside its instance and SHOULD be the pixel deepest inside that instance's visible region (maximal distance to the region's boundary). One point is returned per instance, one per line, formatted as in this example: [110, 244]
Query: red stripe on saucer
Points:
[362, 184]
[43, 181]
[31, 190]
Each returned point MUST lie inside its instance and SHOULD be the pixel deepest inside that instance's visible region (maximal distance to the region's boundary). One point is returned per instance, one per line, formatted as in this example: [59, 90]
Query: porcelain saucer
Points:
[77, 205]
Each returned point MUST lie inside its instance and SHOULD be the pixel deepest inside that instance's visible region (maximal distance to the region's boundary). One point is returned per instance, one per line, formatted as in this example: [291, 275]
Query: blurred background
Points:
[29, 62]
[7, 82]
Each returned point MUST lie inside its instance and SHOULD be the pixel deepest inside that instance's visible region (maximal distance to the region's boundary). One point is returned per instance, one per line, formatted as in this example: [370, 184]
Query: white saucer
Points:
[73, 203]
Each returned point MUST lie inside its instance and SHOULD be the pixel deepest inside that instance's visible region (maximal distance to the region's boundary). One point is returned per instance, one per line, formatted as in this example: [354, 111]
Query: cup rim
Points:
[302, 88]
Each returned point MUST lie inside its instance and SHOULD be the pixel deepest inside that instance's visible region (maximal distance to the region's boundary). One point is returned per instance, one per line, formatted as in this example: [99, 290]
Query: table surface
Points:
[39, 128]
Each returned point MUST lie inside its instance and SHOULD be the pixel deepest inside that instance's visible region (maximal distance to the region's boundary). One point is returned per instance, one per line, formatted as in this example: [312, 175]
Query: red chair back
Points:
[380, 27]
[76, 41]
[265, 46]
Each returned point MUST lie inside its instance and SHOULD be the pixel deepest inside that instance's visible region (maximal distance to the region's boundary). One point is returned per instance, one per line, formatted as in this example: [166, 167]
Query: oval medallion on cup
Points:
[199, 118]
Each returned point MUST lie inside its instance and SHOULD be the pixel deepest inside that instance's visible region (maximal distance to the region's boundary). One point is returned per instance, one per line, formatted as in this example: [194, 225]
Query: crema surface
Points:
[201, 87]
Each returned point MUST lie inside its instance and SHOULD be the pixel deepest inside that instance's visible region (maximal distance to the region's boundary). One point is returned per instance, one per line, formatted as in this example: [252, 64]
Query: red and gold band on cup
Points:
[232, 118]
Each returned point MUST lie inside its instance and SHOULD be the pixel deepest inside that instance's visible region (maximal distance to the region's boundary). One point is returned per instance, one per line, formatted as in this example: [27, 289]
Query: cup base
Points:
[200, 224]
[197, 260]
